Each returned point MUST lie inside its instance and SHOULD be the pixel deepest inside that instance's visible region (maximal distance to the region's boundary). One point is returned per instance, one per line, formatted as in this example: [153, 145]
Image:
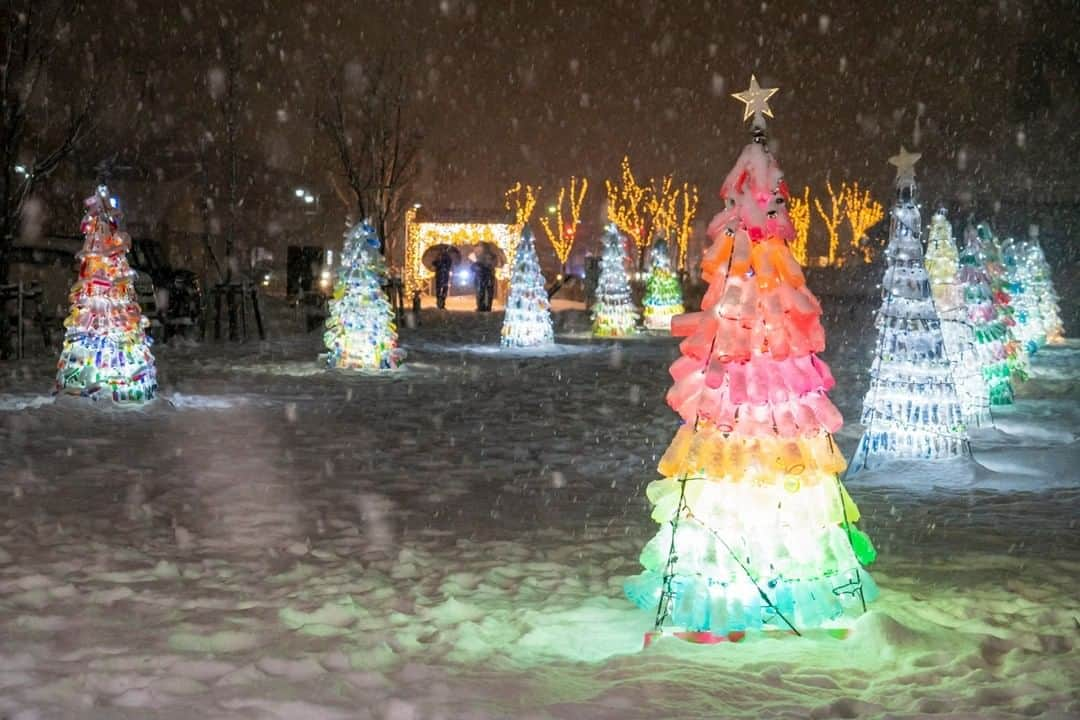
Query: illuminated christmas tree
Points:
[663, 292]
[991, 334]
[360, 332]
[965, 354]
[1038, 321]
[757, 532]
[106, 352]
[988, 250]
[1038, 279]
[614, 313]
[1028, 329]
[911, 409]
[527, 322]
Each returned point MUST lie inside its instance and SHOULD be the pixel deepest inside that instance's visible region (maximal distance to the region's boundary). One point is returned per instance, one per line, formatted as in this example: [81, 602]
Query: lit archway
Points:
[419, 236]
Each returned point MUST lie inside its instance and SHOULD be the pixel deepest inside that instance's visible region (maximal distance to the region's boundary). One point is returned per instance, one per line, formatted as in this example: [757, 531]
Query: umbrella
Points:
[432, 254]
[490, 252]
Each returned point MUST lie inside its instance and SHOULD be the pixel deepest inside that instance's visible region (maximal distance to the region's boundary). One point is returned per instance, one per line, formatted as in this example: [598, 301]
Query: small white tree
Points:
[614, 313]
[527, 322]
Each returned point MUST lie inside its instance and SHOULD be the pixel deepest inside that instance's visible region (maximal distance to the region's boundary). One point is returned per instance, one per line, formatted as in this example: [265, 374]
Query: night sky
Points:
[537, 91]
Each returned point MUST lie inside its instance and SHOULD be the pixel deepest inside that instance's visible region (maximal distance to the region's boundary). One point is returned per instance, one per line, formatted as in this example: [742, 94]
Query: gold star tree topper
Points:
[756, 100]
[905, 165]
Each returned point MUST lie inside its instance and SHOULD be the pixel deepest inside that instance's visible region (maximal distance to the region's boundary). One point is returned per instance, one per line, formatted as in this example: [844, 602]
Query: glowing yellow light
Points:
[628, 208]
[561, 235]
[863, 212]
[521, 200]
[799, 212]
[422, 235]
[832, 219]
[673, 210]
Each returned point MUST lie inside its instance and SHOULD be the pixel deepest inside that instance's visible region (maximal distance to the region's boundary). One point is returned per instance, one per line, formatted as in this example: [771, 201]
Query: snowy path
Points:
[449, 541]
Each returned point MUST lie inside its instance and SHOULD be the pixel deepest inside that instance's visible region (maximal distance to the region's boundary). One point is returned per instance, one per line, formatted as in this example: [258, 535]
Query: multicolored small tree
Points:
[663, 292]
[106, 352]
[756, 529]
[911, 409]
[360, 332]
[991, 334]
[527, 322]
[943, 267]
[989, 251]
[614, 313]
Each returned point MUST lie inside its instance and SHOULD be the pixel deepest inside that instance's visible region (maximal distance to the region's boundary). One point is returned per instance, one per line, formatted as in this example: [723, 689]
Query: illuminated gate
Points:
[419, 236]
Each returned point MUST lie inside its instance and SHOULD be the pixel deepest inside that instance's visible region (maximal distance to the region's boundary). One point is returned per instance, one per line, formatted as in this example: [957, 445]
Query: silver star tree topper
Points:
[905, 165]
[756, 100]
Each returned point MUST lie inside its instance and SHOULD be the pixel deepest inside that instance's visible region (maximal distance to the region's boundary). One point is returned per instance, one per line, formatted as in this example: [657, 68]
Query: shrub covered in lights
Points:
[968, 357]
[663, 292]
[912, 409]
[527, 322]
[360, 332]
[991, 334]
[756, 530]
[614, 313]
[106, 352]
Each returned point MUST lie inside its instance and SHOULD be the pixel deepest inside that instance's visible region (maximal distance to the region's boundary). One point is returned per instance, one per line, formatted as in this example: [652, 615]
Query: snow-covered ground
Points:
[449, 540]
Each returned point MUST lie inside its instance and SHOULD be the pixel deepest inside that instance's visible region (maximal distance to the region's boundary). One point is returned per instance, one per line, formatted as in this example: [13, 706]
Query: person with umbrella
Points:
[444, 261]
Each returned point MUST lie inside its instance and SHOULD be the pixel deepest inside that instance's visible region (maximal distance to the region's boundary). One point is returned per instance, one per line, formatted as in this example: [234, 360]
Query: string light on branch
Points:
[562, 234]
[862, 212]
[521, 200]
[799, 210]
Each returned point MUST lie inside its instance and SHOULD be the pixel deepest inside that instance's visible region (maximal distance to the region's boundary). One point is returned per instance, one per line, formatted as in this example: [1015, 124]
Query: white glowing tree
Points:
[614, 313]
[911, 409]
[527, 322]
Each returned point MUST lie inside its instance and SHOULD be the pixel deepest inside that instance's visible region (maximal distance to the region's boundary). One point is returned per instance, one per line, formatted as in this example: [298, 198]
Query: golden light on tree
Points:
[521, 200]
[673, 210]
[562, 235]
[832, 218]
[628, 208]
[799, 212]
[862, 212]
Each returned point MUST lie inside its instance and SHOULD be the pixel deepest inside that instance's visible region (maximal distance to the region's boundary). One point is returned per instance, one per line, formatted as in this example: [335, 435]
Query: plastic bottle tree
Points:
[106, 352]
[360, 331]
[527, 322]
[757, 532]
[613, 313]
[911, 409]
[1028, 330]
[1000, 286]
[991, 334]
[943, 267]
[1038, 278]
[663, 292]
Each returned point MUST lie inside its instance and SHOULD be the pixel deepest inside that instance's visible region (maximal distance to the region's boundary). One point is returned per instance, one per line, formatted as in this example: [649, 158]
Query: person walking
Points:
[443, 263]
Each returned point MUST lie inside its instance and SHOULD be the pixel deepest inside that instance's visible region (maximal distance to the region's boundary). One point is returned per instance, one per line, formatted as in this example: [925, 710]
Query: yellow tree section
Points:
[832, 218]
[799, 212]
[673, 210]
[562, 235]
[628, 208]
[639, 211]
[521, 200]
[863, 212]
